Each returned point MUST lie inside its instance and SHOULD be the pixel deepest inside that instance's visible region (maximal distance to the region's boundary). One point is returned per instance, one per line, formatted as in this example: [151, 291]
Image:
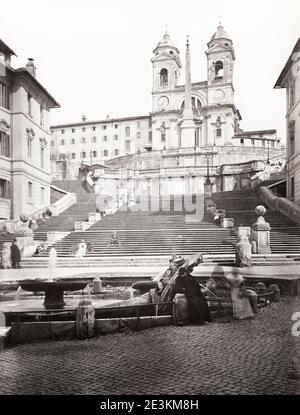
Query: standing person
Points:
[241, 297]
[114, 239]
[15, 254]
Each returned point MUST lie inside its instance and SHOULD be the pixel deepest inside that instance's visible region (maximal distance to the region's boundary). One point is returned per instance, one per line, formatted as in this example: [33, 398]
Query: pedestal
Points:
[54, 297]
[261, 236]
[26, 245]
[243, 247]
[181, 310]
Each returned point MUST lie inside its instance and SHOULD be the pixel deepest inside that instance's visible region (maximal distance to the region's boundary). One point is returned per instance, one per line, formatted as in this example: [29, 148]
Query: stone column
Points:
[85, 319]
[181, 311]
[261, 232]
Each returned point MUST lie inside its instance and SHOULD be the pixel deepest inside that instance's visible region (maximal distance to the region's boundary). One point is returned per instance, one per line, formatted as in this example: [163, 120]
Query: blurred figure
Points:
[15, 254]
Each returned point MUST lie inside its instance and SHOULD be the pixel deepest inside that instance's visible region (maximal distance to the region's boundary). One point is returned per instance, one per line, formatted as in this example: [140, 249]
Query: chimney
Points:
[84, 118]
[30, 66]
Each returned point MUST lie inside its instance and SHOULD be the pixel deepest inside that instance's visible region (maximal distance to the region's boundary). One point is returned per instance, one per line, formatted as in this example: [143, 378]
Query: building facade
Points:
[209, 121]
[24, 139]
[290, 80]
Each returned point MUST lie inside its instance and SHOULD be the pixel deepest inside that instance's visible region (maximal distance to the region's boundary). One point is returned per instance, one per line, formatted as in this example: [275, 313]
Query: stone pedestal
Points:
[85, 320]
[261, 232]
[97, 285]
[227, 223]
[181, 310]
[26, 245]
[243, 247]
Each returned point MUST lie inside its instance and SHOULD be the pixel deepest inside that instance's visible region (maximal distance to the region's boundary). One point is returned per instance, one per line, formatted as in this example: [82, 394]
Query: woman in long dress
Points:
[241, 304]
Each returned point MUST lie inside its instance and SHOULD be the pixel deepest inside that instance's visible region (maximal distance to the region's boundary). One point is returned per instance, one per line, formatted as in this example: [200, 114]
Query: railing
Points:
[281, 204]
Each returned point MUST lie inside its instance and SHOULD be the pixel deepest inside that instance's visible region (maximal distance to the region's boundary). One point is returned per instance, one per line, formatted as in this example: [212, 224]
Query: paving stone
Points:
[246, 357]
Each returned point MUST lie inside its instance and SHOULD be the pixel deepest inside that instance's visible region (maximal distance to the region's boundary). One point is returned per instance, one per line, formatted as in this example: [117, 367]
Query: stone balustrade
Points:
[281, 204]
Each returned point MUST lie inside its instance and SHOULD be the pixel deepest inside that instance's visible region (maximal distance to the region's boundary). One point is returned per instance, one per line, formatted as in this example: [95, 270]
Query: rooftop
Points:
[291, 59]
[6, 49]
[105, 121]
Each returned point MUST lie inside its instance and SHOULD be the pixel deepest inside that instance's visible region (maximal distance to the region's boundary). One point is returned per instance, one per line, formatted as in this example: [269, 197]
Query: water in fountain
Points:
[52, 263]
[18, 293]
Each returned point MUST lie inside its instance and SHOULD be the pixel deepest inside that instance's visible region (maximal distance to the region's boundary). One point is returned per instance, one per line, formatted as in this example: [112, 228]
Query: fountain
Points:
[53, 287]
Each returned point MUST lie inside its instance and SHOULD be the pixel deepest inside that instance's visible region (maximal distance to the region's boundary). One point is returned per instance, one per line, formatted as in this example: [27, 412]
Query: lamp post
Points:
[207, 169]
[268, 159]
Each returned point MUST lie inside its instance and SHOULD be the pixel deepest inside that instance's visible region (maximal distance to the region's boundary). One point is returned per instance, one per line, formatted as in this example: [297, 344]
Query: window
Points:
[105, 153]
[62, 156]
[219, 69]
[263, 142]
[73, 130]
[4, 144]
[62, 131]
[29, 147]
[252, 141]
[93, 128]
[150, 136]
[292, 94]
[29, 105]
[72, 140]
[292, 138]
[41, 115]
[196, 104]
[73, 156]
[4, 188]
[127, 131]
[94, 139]
[138, 124]
[163, 137]
[94, 153]
[116, 126]
[138, 134]
[104, 138]
[116, 152]
[292, 190]
[127, 146]
[83, 129]
[242, 141]
[42, 153]
[219, 132]
[103, 127]
[62, 142]
[4, 95]
[272, 143]
[116, 137]
[29, 190]
[83, 139]
[42, 195]
[84, 154]
[164, 77]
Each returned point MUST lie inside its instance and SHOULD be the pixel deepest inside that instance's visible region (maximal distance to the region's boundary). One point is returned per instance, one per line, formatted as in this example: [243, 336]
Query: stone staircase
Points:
[79, 211]
[146, 237]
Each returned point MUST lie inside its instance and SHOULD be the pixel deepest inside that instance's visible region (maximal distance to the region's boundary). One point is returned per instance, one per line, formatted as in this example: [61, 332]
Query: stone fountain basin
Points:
[54, 290]
[42, 285]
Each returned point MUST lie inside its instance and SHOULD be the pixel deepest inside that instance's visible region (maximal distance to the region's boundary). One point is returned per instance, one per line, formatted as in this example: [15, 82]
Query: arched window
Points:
[164, 77]
[127, 131]
[196, 103]
[219, 69]
[83, 154]
[94, 153]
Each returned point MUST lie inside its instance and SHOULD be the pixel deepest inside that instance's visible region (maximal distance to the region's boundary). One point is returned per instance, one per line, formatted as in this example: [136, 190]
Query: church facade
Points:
[210, 118]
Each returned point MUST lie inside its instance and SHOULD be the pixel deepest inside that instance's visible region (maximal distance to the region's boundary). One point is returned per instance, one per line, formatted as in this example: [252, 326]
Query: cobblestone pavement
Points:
[247, 357]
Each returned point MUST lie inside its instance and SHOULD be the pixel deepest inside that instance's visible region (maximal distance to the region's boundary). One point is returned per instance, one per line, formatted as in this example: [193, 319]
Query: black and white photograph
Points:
[149, 201]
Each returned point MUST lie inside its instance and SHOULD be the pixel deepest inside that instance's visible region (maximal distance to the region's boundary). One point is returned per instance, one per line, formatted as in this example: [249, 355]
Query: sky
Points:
[94, 56]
